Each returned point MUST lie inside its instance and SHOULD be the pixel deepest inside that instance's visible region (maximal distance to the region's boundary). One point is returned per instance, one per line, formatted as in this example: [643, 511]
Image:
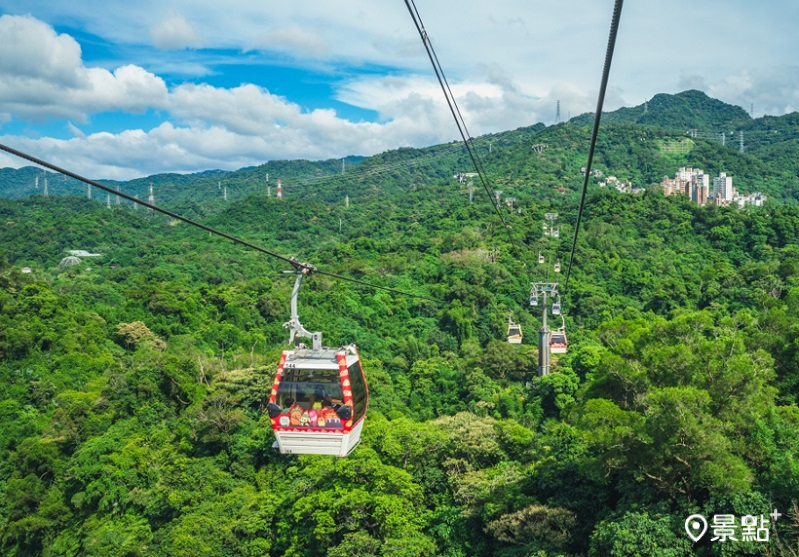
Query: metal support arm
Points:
[293, 325]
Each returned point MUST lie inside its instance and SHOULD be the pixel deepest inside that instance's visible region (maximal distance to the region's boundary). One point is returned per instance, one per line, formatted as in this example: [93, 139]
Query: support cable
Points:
[614, 28]
[292, 261]
[453, 107]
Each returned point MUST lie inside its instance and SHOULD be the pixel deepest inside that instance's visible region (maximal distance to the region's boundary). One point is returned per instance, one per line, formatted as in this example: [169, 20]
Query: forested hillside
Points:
[641, 144]
[132, 384]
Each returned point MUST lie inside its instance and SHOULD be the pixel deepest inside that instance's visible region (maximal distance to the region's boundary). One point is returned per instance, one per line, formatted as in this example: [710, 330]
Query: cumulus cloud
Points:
[43, 77]
[508, 63]
[489, 106]
[32, 51]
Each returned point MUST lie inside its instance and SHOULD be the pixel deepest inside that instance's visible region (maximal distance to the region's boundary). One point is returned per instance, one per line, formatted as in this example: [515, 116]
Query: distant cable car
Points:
[557, 266]
[319, 397]
[558, 343]
[556, 308]
[540, 257]
[514, 332]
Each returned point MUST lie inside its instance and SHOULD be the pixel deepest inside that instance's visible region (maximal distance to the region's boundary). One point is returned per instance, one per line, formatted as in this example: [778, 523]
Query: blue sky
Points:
[126, 89]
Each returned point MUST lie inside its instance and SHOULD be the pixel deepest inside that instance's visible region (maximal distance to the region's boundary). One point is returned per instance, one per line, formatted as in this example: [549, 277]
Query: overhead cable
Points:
[209, 229]
[453, 107]
[614, 28]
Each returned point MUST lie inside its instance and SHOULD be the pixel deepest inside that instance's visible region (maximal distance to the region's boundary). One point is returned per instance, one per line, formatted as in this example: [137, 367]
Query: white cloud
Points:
[294, 39]
[30, 51]
[43, 77]
[75, 130]
[175, 33]
[508, 63]
[246, 110]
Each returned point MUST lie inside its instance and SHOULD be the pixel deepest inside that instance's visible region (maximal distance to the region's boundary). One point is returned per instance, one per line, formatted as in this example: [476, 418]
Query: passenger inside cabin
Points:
[319, 396]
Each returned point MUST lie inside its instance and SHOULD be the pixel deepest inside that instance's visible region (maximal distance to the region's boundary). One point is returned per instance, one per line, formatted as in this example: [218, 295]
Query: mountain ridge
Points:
[718, 132]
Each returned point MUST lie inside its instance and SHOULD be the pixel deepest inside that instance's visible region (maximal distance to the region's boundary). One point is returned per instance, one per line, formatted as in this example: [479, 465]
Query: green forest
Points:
[132, 420]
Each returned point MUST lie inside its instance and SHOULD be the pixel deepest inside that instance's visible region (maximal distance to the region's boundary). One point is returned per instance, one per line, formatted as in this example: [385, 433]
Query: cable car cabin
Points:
[318, 401]
[558, 343]
[514, 333]
[556, 308]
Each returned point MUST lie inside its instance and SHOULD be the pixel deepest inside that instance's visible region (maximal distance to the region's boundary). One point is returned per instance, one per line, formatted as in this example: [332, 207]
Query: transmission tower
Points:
[557, 112]
[151, 197]
[741, 141]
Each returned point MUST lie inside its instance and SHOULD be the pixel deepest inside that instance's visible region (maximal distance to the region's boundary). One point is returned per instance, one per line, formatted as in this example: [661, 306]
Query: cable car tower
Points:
[540, 294]
[319, 396]
[551, 230]
[549, 342]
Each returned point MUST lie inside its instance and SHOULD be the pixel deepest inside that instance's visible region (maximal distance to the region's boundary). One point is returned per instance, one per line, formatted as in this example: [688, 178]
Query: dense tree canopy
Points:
[131, 385]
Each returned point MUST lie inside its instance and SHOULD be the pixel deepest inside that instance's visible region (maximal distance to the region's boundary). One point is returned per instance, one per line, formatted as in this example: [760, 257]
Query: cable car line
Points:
[614, 28]
[453, 107]
[292, 261]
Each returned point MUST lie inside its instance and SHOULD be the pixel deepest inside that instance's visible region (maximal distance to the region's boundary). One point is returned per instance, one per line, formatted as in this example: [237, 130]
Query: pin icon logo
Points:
[696, 526]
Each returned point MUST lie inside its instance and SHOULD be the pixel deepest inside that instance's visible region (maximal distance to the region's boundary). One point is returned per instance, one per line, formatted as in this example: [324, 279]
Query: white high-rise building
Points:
[722, 188]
